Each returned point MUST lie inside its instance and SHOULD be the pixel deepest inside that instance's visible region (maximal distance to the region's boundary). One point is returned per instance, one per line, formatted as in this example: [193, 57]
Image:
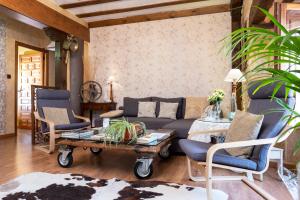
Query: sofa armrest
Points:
[112, 114]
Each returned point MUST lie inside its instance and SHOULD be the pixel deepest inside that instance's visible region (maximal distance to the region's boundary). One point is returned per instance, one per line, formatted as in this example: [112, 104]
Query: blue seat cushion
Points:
[197, 151]
[72, 126]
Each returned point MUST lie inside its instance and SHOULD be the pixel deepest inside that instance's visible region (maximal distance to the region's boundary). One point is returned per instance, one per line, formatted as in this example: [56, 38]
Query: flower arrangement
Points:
[217, 96]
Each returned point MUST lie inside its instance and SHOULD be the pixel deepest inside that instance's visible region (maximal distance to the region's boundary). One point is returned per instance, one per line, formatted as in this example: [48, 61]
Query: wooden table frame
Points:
[145, 154]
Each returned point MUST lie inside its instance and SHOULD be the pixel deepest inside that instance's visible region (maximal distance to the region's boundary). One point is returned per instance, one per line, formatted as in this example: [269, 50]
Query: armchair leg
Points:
[250, 176]
[209, 182]
[52, 141]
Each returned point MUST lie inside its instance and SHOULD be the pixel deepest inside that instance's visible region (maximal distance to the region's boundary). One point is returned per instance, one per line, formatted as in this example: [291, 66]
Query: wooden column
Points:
[76, 76]
[60, 66]
[236, 15]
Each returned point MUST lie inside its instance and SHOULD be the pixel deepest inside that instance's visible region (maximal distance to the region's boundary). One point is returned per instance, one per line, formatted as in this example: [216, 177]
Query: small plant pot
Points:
[127, 137]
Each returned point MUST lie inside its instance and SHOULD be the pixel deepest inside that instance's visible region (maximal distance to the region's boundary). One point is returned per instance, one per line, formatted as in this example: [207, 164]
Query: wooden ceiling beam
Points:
[40, 12]
[85, 3]
[162, 15]
[143, 7]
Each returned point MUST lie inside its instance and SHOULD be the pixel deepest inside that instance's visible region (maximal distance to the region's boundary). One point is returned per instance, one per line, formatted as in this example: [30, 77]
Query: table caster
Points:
[165, 153]
[64, 160]
[143, 168]
[95, 151]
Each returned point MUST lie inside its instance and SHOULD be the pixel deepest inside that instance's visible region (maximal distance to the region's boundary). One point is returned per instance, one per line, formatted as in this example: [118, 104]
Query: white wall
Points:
[167, 58]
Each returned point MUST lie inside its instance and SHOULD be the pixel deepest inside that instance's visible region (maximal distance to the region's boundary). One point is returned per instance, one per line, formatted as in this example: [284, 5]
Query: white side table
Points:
[203, 129]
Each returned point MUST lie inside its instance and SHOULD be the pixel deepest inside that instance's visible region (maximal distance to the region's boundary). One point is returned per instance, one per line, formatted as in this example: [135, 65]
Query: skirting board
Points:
[3, 136]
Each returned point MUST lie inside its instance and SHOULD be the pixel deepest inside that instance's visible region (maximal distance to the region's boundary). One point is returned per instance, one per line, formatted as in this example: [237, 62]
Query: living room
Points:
[138, 99]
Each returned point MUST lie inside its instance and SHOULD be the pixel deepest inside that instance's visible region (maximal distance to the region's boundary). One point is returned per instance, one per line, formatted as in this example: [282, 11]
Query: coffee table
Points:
[146, 153]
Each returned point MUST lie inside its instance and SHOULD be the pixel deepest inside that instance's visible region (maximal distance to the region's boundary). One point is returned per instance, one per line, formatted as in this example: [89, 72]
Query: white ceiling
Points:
[133, 3]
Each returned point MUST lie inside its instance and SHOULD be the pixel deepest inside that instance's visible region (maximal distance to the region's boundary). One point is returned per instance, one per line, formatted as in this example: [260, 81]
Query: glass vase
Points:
[217, 110]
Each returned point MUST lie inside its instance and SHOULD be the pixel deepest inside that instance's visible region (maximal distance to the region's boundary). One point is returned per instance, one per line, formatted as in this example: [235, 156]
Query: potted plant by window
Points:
[121, 130]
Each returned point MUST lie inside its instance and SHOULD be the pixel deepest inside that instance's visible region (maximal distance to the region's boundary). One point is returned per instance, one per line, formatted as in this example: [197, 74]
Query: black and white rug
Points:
[44, 186]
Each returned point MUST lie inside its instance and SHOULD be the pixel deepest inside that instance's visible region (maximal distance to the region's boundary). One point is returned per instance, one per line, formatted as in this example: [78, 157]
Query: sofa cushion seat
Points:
[181, 126]
[151, 123]
[197, 151]
[72, 126]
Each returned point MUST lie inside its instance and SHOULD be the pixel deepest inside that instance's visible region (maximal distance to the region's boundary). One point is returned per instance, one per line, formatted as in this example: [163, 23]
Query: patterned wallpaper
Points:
[17, 31]
[166, 58]
[2, 77]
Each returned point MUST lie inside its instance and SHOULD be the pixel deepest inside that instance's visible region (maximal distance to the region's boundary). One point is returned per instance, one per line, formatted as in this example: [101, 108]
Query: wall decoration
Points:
[167, 58]
[2, 77]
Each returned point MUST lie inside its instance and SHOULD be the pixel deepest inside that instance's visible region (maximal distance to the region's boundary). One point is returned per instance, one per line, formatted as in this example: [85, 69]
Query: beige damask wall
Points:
[16, 31]
[167, 58]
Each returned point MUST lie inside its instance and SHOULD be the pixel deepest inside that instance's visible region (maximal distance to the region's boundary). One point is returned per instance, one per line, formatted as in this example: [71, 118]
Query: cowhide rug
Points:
[44, 186]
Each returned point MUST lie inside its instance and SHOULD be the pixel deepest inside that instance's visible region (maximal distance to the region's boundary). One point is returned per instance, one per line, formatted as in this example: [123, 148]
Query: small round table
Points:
[204, 129]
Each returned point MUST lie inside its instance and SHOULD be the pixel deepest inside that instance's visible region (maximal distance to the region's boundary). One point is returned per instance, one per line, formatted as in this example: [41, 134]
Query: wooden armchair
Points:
[215, 155]
[56, 99]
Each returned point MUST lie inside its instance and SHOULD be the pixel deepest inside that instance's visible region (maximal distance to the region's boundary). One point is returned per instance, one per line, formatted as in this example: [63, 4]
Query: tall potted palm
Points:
[263, 50]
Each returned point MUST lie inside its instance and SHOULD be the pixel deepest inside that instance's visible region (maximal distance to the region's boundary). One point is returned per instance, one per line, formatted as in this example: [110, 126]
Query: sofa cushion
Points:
[151, 123]
[194, 107]
[131, 105]
[181, 126]
[179, 100]
[245, 126]
[168, 110]
[197, 151]
[146, 109]
[73, 126]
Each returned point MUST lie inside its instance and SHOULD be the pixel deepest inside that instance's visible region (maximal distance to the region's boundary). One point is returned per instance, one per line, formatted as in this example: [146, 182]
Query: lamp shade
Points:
[235, 75]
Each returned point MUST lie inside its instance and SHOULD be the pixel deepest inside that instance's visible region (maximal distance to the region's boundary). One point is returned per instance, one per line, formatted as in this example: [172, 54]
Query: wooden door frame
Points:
[44, 51]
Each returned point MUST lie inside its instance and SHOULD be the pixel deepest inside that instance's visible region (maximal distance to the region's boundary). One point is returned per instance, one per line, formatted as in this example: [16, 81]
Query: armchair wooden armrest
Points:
[37, 117]
[206, 132]
[51, 131]
[211, 151]
[81, 117]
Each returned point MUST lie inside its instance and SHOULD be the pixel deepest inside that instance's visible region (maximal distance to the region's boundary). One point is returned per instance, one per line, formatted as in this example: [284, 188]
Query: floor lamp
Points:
[234, 76]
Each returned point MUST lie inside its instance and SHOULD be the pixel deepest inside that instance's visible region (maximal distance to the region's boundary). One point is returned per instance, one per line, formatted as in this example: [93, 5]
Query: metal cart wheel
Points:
[95, 151]
[65, 161]
[165, 154]
[142, 170]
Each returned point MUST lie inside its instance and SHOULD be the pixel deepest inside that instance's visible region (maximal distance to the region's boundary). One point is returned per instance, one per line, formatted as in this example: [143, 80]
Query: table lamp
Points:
[234, 76]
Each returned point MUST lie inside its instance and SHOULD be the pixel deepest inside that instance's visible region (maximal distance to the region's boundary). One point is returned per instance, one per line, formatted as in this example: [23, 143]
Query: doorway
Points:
[31, 68]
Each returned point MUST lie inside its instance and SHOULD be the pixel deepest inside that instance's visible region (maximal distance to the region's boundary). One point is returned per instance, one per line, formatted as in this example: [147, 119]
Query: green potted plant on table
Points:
[121, 130]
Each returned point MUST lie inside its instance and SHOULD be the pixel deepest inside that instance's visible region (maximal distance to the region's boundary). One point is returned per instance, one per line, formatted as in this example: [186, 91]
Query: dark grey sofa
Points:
[180, 125]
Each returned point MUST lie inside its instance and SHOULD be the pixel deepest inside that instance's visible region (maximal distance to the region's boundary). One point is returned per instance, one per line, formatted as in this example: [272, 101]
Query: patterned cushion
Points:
[56, 115]
[194, 107]
[245, 126]
[168, 110]
[146, 109]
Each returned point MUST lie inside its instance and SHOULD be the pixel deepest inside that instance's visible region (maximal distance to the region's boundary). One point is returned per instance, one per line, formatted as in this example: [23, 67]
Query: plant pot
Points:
[127, 137]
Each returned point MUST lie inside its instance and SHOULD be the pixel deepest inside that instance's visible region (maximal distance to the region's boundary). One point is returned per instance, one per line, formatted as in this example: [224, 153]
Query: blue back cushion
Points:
[273, 123]
[56, 99]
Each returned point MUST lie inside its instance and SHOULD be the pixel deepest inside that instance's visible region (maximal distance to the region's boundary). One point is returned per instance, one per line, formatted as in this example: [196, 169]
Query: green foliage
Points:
[116, 131]
[263, 50]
